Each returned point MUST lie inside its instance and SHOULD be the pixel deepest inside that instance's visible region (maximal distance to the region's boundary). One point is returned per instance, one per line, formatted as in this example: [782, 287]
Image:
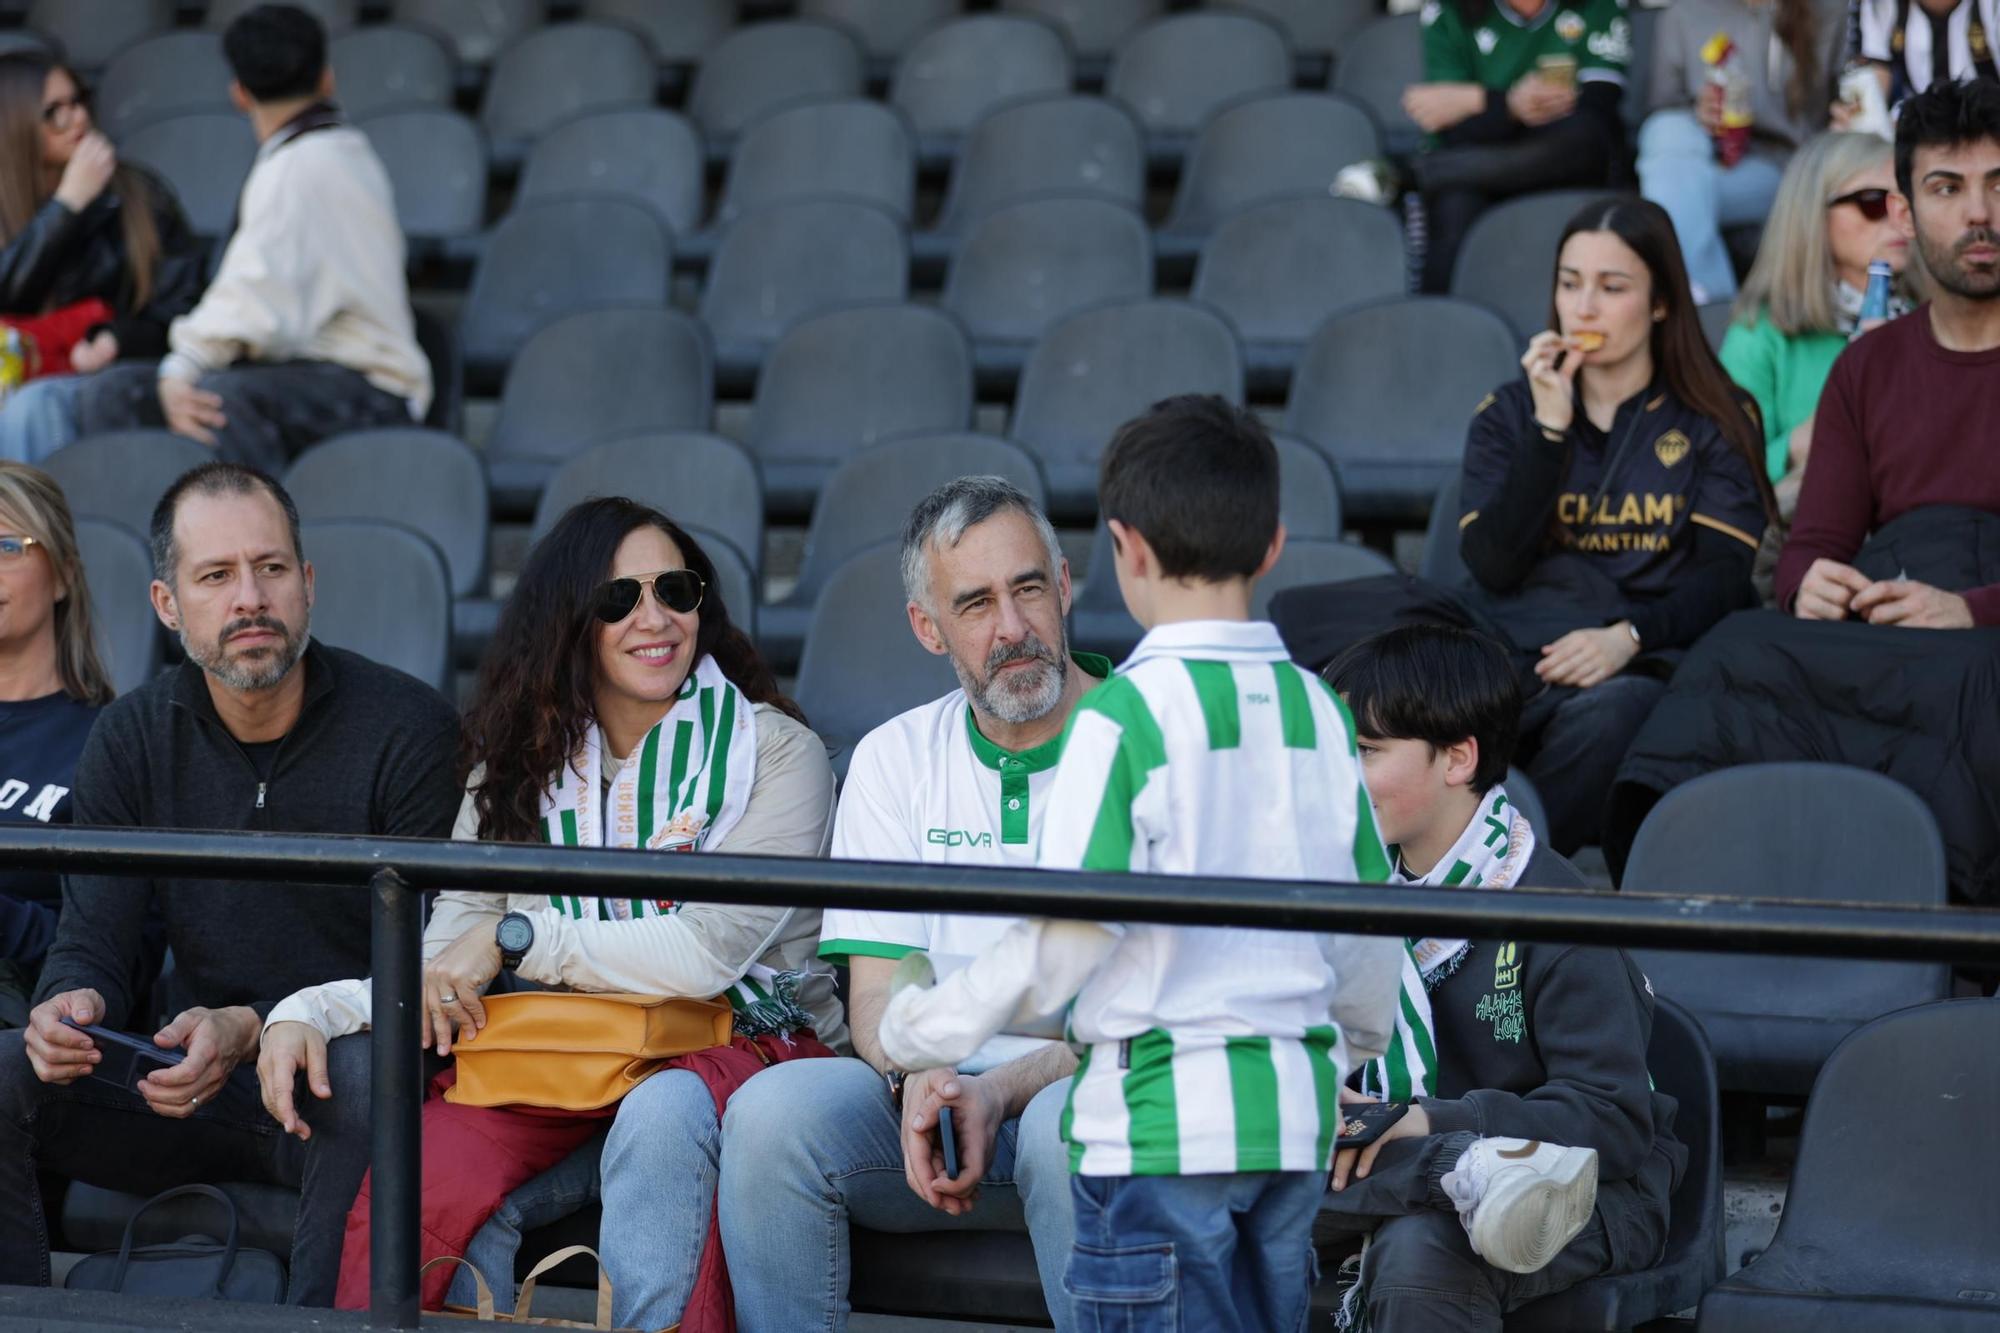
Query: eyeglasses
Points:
[59, 113]
[13, 550]
[679, 590]
[1873, 203]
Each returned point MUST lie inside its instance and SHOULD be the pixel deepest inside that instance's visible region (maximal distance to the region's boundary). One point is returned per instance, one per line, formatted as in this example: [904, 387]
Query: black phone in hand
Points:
[948, 1142]
[1363, 1123]
[127, 1058]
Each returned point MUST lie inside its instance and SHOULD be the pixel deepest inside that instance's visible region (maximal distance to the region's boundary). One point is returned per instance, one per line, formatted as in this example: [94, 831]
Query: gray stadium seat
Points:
[1100, 367]
[838, 382]
[1309, 491]
[780, 264]
[436, 160]
[1094, 27]
[678, 32]
[336, 16]
[1441, 562]
[593, 376]
[384, 67]
[1378, 60]
[861, 665]
[167, 74]
[866, 500]
[422, 479]
[1637, 102]
[1267, 148]
[1887, 1230]
[761, 67]
[1508, 260]
[1715, 320]
[687, 475]
[1306, 562]
[1179, 70]
[1523, 794]
[559, 72]
[1315, 28]
[478, 30]
[121, 475]
[885, 28]
[1814, 832]
[204, 156]
[846, 148]
[1024, 266]
[119, 570]
[733, 572]
[353, 561]
[555, 257]
[91, 32]
[959, 72]
[1074, 146]
[651, 156]
[1278, 270]
[1386, 391]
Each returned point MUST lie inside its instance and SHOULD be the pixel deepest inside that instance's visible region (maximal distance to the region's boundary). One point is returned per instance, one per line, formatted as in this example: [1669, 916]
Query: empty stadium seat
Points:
[780, 264]
[738, 583]
[1047, 146]
[1889, 1221]
[421, 479]
[593, 376]
[868, 499]
[19, 41]
[1388, 390]
[1179, 70]
[847, 148]
[353, 561]
[1522, 793]
[91, 32]
[1278, 270]
[650, 156]
[1305, 562]
[1024, 266]
[1094, 27]
[1314, 28]
[861, 664]
[556, 73]
[885, 28]
[121, 475]
[1764, 830]
[336, 16]
[838, 382]
[119, 570]
[478, 30]
[957, 73]
[1508, 260]
[167, 74]
[204, 156]
[1441, 562]
[1100, 367]
[1378, 60]
[690, 476]
[436, 160]
[386, 67]
[759, 68]
[678, 32]
[554, 257]
[1267, 148]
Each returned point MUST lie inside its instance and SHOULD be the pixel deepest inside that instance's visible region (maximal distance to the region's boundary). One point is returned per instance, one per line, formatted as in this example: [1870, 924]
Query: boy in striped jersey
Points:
[1203, 1114]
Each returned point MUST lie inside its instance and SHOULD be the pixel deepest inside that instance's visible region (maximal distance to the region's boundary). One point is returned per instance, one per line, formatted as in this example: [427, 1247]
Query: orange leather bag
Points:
[571, 1051]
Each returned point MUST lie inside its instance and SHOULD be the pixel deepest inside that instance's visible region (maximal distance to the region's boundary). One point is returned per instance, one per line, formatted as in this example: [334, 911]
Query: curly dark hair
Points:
[537, 687]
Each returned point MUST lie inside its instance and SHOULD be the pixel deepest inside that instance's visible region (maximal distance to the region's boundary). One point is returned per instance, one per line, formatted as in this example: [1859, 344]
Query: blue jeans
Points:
[810, 1146]
[1678, 170]
[1163, 1254]
[40, 417]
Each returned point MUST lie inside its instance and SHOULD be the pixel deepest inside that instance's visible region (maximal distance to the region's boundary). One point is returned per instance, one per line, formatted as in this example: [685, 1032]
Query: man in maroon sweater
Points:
[1910, 415]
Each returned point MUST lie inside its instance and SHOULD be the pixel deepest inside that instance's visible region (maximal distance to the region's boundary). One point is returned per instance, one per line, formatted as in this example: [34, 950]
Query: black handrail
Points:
[397, 869]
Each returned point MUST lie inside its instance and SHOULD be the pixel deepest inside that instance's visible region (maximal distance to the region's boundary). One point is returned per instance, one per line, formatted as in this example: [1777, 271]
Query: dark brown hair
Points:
[1197, 477]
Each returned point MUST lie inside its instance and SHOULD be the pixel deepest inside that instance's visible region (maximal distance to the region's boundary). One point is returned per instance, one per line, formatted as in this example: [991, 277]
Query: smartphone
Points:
[948, 1141]
[127, 1058]
[1361, 1125]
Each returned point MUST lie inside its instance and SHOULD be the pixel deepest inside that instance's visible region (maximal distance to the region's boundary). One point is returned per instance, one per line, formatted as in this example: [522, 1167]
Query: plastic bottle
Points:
[1728, 87]
[1875, 302]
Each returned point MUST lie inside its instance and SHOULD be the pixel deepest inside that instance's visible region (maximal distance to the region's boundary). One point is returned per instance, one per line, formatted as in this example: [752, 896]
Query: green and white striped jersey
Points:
[1216, 1050]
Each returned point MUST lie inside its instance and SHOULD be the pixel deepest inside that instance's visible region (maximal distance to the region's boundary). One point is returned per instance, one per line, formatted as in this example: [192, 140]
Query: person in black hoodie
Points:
[1518, 1061]
[77, 224]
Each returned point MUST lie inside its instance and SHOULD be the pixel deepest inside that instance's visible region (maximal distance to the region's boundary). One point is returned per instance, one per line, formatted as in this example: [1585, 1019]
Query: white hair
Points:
[947, 513]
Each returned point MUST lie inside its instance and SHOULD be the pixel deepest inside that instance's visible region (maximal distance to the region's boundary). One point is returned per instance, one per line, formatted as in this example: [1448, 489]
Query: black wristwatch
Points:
[515, 935]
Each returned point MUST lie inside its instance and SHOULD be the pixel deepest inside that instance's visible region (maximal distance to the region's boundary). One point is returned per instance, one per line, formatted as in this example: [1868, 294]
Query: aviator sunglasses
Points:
[679, 590]
[1873, 203]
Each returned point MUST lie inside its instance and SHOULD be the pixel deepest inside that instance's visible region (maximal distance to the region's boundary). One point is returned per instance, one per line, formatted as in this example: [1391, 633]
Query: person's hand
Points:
[1356, 1163]
[288, 1049]
[195, 413]
[94, 354]
[1911, 604]
[1708, 110]
[1439, 106]
[1553, 385]
[453, 982]
[1587, 657]
[1828, 590]
[1535, 101]
[56, 1053]
[216, 1041]
[1798, 445]
[87, 172]
[976, 1119]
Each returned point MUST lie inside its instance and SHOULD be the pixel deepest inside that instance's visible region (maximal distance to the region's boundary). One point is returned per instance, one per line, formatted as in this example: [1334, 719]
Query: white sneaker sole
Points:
[1528, 1214]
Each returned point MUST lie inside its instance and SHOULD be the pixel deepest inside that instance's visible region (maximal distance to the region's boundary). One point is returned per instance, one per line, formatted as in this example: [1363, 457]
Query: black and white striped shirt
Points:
[1921, 48]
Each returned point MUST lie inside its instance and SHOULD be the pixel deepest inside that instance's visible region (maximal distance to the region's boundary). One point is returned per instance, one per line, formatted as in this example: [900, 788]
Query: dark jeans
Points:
[1459, 183]
[275, 410]
[106, 1136]
[1574, 741]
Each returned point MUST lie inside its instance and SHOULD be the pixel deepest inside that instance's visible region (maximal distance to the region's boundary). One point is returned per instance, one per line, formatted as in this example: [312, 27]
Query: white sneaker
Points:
[1522, 1200]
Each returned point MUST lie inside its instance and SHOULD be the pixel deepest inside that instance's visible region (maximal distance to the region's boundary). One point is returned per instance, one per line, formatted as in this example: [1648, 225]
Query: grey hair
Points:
[945, 515]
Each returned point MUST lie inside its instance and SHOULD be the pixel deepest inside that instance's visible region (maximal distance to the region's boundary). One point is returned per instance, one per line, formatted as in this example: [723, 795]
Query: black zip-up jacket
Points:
[373, 751]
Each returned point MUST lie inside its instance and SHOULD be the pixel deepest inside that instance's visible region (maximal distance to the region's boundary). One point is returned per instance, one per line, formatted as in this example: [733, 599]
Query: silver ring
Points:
[447, 999]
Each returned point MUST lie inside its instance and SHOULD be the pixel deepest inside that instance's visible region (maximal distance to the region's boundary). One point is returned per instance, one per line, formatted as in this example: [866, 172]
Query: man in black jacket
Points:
[1535, 1152]
[261, 731]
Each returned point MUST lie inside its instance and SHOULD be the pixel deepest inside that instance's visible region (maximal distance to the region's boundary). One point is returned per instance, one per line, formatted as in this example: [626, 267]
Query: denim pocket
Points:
[1126, 1275]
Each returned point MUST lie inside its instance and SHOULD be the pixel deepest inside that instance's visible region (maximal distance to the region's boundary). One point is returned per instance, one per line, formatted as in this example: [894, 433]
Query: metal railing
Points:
[398, 870]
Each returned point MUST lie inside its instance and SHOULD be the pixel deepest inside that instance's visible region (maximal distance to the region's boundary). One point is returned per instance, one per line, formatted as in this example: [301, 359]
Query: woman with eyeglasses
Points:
[76, 225]
[52, 684]
[619, 706]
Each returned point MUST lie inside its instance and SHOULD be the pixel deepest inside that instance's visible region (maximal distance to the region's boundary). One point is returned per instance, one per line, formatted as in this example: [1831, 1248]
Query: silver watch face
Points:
[514, 934]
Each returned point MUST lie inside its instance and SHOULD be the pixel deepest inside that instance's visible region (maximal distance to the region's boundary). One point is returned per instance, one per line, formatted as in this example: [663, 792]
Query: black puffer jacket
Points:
[61, 258]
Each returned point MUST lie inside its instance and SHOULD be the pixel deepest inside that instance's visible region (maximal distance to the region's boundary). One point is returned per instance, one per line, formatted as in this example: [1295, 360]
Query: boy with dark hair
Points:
[276, 52]
[1542, 1048]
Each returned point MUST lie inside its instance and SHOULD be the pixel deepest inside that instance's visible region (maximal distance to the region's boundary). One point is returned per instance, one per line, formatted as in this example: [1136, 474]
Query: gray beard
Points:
[1022, 696]
[250, 676]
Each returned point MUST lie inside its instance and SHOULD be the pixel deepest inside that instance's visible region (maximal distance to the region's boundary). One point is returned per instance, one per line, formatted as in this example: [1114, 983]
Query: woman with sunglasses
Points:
[619, 706]
[76, 225]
